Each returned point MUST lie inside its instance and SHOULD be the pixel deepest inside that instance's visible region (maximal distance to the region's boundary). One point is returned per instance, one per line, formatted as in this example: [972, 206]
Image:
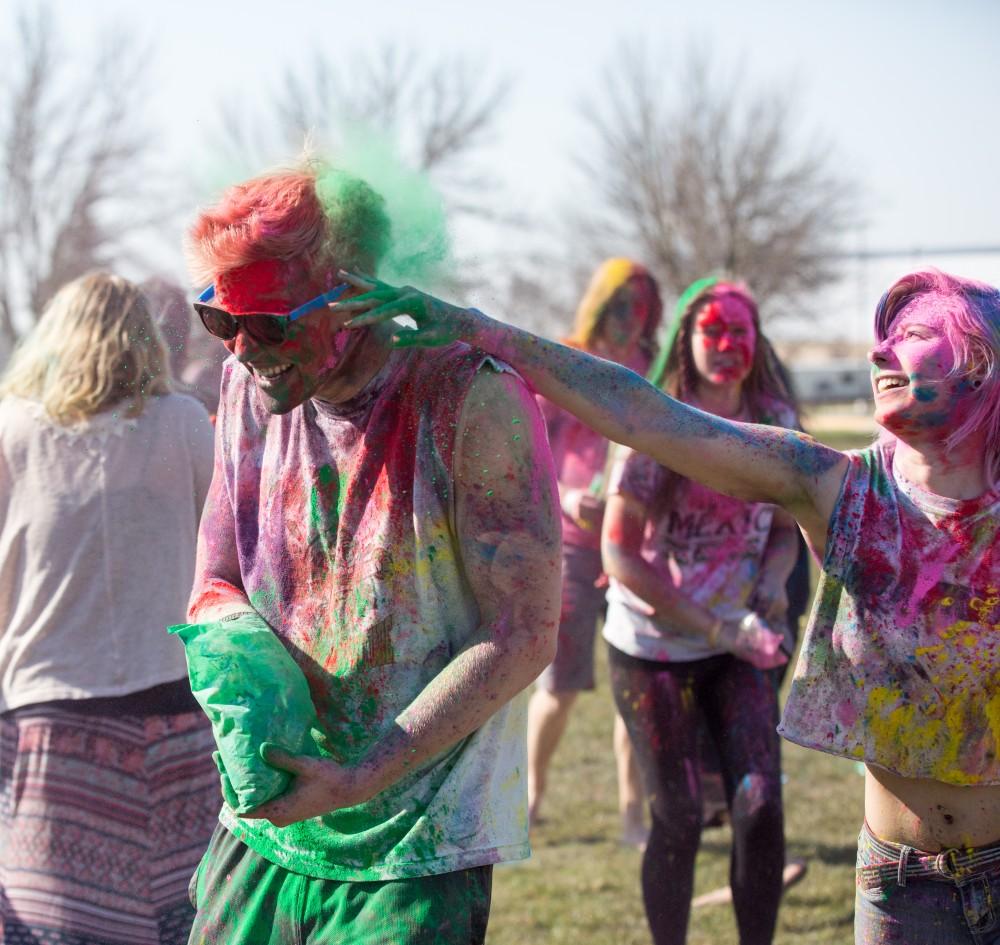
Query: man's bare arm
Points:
[218, 588]
[508, 526]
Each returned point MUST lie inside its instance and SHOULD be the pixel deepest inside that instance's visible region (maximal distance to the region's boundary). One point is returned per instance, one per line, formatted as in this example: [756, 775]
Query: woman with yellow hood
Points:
[617, 319]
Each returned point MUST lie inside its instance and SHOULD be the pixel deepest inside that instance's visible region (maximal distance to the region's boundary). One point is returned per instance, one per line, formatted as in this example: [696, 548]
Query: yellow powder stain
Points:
[957, 628]
[956, 721]
[992, 712]
[891, 727]
[982, 606]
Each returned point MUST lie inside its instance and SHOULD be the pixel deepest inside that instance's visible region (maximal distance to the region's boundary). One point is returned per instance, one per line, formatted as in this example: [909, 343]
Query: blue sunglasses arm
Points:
[325, 299]
[331, 296]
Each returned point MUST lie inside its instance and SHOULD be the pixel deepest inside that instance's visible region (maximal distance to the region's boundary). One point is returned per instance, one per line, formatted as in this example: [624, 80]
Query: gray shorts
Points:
[572, 670]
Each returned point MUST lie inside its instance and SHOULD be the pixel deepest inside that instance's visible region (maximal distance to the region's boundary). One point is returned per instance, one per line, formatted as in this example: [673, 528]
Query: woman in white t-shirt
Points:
[899, 667]
[679, 556]
[108, 794]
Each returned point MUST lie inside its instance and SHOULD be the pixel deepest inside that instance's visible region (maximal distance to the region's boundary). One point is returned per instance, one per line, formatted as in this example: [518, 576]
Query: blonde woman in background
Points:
[108, 794]
[618, 318]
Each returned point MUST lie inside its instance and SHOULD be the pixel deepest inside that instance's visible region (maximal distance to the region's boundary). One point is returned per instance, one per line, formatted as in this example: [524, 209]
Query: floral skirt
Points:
[103, 819]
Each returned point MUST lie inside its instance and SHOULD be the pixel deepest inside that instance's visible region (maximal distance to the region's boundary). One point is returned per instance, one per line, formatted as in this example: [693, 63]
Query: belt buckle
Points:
[946, 863]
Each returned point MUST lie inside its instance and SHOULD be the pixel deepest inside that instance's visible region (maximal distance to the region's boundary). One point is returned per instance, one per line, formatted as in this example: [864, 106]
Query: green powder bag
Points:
[252, 692]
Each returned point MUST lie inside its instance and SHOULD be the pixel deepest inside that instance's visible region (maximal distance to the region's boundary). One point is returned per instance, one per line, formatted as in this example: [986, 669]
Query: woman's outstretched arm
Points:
[744, 460]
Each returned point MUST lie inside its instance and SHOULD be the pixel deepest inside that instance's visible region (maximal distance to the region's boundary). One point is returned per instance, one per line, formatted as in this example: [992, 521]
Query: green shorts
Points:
[243, 899]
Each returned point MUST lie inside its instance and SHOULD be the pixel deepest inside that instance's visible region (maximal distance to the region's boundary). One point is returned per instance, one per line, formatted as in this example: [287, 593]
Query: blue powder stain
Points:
[923, 394]
[938, 419]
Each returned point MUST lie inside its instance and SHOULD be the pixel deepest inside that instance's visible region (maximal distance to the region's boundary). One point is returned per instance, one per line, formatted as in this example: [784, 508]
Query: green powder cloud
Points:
[415, 247]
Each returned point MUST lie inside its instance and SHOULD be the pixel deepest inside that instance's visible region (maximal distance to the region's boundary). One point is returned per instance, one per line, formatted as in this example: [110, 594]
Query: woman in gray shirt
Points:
[108, 794]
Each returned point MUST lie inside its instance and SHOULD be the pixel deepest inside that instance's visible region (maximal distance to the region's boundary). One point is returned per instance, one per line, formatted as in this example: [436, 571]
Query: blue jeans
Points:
[908, 897]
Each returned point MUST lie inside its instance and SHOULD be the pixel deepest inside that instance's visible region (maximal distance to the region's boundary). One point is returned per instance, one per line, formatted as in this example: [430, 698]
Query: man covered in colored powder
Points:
[392, 515]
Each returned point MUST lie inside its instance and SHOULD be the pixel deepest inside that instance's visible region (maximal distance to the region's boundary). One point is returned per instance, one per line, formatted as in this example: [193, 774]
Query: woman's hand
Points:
[438, 323]
[752, 640]
[585, 509]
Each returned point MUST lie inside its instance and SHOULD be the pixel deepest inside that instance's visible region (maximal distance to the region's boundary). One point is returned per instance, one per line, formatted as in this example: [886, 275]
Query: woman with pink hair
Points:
[899, 667]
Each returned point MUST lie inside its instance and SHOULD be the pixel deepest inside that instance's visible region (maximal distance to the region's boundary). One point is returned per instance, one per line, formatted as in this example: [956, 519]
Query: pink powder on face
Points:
[726, 325]
[260, 287]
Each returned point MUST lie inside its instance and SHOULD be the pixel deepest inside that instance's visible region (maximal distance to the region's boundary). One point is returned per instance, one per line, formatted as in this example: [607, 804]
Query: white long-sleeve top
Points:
[98, 524]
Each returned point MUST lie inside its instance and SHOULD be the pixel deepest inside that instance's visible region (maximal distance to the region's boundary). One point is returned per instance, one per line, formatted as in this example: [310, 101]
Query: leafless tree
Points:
[70, 166]
[439, 112]
[697, 174]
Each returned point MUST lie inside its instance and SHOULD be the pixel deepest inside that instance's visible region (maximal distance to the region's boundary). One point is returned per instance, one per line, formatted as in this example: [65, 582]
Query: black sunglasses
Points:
[264, 328]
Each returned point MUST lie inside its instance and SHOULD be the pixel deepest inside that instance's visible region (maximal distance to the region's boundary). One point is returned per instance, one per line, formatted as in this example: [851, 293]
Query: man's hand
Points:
[438, 323]
[320, 786]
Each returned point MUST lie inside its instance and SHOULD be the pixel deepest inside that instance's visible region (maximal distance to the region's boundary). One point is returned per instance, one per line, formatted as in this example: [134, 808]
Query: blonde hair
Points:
[94, 346]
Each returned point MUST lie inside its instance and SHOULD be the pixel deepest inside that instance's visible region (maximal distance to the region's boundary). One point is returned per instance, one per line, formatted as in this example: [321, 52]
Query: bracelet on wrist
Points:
[237, 614]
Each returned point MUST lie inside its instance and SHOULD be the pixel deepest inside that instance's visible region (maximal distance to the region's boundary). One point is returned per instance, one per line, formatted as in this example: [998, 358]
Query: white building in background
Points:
[833, 381]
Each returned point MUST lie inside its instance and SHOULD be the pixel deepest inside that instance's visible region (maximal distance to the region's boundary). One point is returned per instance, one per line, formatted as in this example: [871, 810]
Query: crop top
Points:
[900, 665]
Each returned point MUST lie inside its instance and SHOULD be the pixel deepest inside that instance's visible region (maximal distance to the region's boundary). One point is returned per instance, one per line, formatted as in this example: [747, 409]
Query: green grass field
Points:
[582, 888]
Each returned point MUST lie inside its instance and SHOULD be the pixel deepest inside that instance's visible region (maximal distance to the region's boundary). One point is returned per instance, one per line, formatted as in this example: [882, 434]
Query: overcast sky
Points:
[906, 92]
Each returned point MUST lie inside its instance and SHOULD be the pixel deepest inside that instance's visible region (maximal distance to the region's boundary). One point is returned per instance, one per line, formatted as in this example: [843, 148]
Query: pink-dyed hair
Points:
[283, 216]
[973, 329]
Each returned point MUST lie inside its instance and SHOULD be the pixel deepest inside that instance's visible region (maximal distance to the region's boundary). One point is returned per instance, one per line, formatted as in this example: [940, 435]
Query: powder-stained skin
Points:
[724, 336]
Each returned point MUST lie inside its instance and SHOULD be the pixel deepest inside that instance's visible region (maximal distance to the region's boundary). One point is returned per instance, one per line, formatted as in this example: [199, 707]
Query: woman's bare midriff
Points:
[930, 815]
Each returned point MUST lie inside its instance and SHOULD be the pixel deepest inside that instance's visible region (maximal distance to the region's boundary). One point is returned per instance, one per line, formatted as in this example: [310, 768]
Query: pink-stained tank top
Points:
[348, 547]
[900, 665]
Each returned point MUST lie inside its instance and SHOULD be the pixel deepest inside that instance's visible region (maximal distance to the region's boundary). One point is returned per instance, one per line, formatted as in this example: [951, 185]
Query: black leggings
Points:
[663, 705]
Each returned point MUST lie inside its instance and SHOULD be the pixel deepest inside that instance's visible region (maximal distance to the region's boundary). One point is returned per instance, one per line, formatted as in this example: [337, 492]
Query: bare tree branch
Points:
[440, 114]
[699, 175]
[71, 163]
